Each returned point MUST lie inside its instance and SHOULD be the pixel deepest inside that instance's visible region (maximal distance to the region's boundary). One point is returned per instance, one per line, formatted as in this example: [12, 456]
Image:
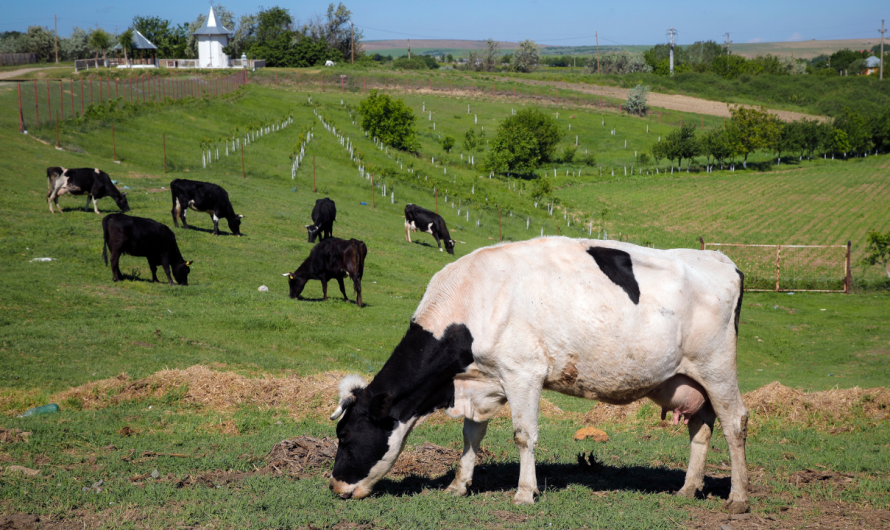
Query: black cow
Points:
[329, 259]
[93, 183]
[323, 216]
[417, 218]
[148, 238]
[203, 197]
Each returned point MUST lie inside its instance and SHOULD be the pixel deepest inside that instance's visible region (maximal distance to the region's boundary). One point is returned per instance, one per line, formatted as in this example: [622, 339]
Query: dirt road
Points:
[12, 74]
[666, 101]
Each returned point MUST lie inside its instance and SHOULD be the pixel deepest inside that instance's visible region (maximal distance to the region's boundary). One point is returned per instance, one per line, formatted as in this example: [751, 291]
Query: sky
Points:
[564, 23]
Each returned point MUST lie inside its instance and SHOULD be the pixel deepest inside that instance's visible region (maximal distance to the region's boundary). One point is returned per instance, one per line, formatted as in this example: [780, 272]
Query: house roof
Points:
[139, 42]
[872, 62]
[212, 26]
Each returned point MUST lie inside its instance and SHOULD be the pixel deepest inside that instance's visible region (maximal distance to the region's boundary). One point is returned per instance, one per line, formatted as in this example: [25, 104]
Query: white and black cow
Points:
[203, 197]
[324, 213]
[601, 320]
[92, 182]
[147, 238]
[330, 259]
[417, 218]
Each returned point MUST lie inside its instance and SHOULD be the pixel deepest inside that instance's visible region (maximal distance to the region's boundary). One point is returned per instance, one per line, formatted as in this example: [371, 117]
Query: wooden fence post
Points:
[313, 174]
[36, 104]
[62, 97]
[21, 115]
[164, 136]
[500, 237]
[58, 143]
[373, 204]
[72, 98]
[436, 193]
[702, 241]
[848, 277]
[113, 144]
[778, 264]
[243, 173]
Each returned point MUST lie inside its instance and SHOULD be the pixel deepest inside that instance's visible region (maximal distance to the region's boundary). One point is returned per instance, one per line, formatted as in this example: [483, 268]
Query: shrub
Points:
[636, 100]
[390, 120]
[447, 143]
[568, 154]
[523, 141]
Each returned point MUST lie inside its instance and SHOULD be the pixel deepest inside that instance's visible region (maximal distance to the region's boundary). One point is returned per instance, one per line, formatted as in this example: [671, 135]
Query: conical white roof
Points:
[212, 27]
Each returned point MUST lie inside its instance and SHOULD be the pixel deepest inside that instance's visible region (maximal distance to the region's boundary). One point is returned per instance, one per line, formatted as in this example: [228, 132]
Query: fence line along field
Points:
[206, 405]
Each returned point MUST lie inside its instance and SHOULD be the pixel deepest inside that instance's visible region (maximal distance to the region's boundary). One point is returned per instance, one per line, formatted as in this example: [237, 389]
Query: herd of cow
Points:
[332, 258]
[601, 320]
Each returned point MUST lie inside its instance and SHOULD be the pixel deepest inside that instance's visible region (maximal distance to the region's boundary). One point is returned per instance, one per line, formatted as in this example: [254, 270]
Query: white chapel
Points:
[212, 37]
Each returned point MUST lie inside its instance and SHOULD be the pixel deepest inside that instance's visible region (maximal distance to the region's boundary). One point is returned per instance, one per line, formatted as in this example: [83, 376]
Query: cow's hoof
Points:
[689, 492]
[524, 497]
[458, 490]
[735, 506]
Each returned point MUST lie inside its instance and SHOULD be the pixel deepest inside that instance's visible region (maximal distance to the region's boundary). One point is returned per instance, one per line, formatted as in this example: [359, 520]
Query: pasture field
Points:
[217, 372]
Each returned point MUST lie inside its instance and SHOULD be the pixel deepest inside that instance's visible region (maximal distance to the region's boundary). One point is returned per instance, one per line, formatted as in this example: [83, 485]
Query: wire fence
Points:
[46, 102]
[816, 268]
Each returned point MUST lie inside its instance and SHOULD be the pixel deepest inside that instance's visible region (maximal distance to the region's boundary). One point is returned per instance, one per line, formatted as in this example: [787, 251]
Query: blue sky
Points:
[570, 23]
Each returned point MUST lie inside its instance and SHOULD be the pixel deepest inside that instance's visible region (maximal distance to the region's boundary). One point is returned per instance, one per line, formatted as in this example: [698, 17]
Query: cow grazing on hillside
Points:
[92, 182]
[323, 216]
[331, 258]
[601, 320]
[203, 197]
[148, 238]
[417, 218]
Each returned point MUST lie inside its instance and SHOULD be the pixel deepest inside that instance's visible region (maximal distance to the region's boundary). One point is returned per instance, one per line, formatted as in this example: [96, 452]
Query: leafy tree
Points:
[473, 141]
[39, 41]
[525, 58]
[334, 30]
[243, 37]
[878, 250]
[568, 154]
[681, 143]
[753, 129]
[636, 100]
[99, 41]
[523, 141]
[700, 56]
[542, 189]
[76, 46]
[620, 63]
[838, 141]
[490, 55]
[717, 144]
[449, 58]
[858, 132]
[589, 159]
[730, 66]
[125, 39]
[880, 129]
[447, 143]
[418, 62]
[390, 120]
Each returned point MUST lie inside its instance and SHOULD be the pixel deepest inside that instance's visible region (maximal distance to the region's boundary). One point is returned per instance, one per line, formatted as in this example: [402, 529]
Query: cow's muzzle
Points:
[349, 491]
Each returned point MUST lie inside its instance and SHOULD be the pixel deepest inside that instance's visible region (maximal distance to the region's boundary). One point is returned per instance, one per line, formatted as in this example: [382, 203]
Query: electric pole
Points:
[351, 44]
[56, 22]
[672, 33]
[881, 74]
[409, 49]
[728, 42]
[597, 53]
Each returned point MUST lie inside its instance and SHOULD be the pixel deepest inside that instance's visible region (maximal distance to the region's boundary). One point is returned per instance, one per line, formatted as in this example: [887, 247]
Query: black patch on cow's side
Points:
[738, 305]
[618, 267]
[417, 379]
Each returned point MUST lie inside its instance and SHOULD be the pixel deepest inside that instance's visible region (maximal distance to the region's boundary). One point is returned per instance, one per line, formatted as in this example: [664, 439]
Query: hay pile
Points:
[314, 395]
[300, 455]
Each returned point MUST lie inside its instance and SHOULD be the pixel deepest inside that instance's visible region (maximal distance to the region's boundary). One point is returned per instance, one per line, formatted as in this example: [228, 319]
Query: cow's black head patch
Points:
[235, 224]
[181, 272]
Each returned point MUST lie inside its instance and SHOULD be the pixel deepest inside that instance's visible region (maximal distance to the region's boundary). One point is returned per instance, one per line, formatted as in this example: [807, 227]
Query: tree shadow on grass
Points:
[504, 477]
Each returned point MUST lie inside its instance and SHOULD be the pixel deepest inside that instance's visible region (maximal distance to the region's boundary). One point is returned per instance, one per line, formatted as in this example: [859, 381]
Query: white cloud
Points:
[758, 39]
[795, 36]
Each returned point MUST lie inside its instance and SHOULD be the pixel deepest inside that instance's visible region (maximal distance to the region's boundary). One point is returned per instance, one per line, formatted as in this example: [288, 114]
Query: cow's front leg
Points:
[95, 207]
[215, 224]
[474, 431]
[154, 272]
[701, 426]
[524, 402]
[86, 207]
[407, 231]
[166, 267]
[342, 289]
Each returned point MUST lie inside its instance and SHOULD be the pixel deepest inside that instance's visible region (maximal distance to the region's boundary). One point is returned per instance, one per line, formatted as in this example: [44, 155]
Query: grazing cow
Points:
[417, 218]
[148, 238]
[93, 183]
[203, 197]
[324, 213]
[331, 258]
[601, 320]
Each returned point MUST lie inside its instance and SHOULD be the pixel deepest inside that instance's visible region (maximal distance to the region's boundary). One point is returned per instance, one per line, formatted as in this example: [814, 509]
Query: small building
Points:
[212, 37]
[872, 64]
[141, 46]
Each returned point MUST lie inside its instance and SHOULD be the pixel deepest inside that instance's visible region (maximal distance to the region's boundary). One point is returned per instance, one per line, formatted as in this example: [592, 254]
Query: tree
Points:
[447, 143]
[858, 132]
[620, 63]
[243, 37]
[76, 46]
[717, 144]
[335, 30]
[636, 100]
[39, 41]
[681, 143]
[878, 250]
[490, 55]
[99, 41]
[523, 141]
[474, 142]
[125, 39]
[753, 129]
[390, 120]
[525, 58]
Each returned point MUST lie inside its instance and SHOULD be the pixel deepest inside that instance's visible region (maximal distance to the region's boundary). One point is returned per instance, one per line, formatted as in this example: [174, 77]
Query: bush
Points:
[568, 154]
[523, 142]
[418, 62]
[390, 120]
[589, 159]
[636, 100]
[447, 144]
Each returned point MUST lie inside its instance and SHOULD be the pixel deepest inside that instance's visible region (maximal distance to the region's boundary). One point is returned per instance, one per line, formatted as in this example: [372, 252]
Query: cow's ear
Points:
[189, 263]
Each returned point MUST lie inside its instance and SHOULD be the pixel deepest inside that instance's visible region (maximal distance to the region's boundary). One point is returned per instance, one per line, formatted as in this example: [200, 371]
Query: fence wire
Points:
[821, 268]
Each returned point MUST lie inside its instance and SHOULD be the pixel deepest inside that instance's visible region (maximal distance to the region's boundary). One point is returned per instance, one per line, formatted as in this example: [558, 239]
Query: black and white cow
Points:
[601, 320]
[331, 258]
[147, 238]
[92, 182]
[417, 218]
[323, 216]
[203, 197]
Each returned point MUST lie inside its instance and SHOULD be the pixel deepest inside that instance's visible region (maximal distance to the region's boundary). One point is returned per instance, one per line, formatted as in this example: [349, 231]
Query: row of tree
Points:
[271, 34]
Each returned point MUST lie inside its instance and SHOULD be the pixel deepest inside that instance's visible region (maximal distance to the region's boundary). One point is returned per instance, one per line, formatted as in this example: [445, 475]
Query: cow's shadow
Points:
[330, 299]
[423, 243]
[503, 477]
[207, 230]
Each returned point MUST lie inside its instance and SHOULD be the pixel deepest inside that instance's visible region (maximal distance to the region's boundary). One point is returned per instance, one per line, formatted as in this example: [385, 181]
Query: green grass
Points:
[65, 323]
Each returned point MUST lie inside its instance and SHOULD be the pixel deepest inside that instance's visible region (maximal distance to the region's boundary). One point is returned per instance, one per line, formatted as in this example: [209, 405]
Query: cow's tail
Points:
[105, 240]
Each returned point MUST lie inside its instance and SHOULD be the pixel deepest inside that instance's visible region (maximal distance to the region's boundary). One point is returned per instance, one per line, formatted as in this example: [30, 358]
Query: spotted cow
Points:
[203, 197]
[92, 182]
[417, 218]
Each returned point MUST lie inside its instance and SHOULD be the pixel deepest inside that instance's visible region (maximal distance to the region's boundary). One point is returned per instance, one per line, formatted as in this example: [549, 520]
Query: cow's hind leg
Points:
[86, 207]
[324, 290]
[474, 431]
[524, 399]
[115, 265]
[701, 426]
[342, 289]
[730, 409]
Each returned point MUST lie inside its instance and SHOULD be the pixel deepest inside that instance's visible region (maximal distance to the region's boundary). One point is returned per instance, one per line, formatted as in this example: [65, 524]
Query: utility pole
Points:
[881, 75]
[728, 42]
[672, 33]
[409, 49]
[597, 52]
[56, 22]
[351, 44]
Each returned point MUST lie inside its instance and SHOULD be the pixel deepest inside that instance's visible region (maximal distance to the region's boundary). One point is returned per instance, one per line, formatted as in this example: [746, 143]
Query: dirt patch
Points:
[300, 455]
[804, 513]
[8, 436]
[808, 476]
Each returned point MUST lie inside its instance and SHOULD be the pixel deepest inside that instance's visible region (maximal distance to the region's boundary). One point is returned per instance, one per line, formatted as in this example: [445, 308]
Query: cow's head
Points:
[369, 439]
[449, 246]
[313, 232]
[235, 224]
[122, 203]
[181, 272]
[296, 282]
